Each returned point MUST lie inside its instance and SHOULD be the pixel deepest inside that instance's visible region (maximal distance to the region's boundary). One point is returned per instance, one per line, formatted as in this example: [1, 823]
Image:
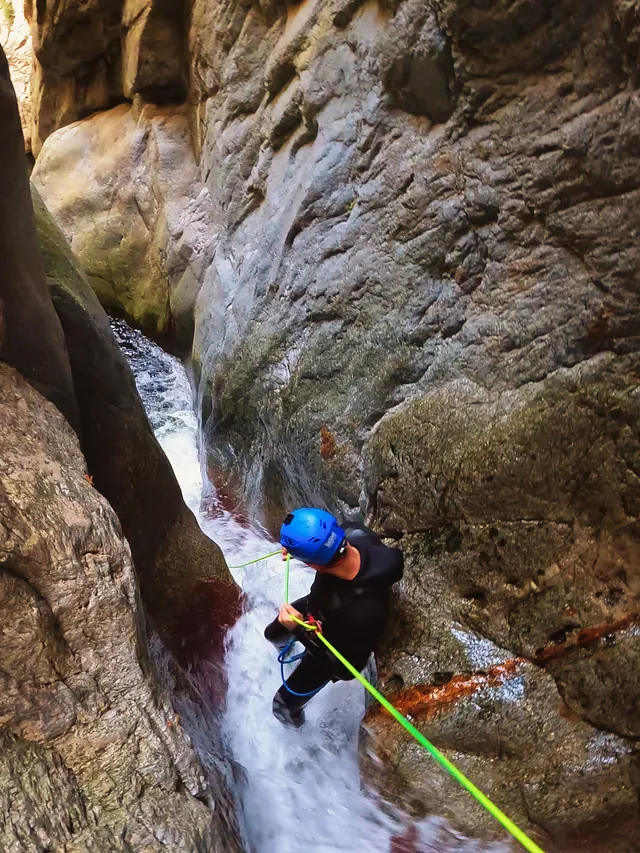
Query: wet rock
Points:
[145, 244]
[565, 783]
[173, 558]
[24, 301]
[423, 307]
[91, 755]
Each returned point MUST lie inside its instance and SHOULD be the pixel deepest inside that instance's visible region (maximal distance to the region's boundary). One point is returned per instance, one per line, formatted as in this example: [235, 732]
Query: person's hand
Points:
[285, 614]
[285, 553]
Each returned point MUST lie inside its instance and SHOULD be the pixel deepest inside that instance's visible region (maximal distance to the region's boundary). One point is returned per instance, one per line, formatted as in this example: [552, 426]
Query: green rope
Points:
[467, 784]
[286, 579]
[258, 560]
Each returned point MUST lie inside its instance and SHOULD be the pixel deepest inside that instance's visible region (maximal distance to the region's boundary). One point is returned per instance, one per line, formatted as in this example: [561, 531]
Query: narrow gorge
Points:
[394, 244]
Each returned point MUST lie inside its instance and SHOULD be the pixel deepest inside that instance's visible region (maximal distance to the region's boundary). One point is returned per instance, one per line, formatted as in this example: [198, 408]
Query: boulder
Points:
[123, 187]
[92, 755]
[519, 525]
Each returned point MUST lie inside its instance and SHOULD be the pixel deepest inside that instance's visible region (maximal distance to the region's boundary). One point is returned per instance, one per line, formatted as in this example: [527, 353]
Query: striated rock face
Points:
[144, 242]
[15, 38]
[91, 756]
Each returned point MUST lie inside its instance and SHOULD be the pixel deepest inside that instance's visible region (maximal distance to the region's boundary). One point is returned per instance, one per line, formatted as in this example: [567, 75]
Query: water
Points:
[302, 788]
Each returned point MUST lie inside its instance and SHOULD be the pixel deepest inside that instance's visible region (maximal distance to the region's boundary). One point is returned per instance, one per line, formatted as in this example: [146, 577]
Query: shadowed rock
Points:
[91, 754]
[92, 56]
[31, 338]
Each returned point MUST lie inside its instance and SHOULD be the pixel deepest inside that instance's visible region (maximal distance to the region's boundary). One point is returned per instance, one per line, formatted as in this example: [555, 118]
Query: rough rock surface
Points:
[91, 755]
[174, 559]
[123, 186]
[565, 777]
[15, 38]
[423, 306]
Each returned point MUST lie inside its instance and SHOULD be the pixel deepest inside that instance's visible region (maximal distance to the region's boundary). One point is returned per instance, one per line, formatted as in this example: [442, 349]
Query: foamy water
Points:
[303, 788]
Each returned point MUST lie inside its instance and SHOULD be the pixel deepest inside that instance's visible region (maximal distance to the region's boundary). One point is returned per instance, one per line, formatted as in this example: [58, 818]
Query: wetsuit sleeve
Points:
[275, 632]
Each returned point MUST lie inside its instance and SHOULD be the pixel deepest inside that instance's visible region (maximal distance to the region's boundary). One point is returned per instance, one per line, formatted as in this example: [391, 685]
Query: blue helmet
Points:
[312, 535]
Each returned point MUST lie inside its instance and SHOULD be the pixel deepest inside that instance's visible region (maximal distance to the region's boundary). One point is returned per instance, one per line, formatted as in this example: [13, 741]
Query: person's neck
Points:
[349, 565]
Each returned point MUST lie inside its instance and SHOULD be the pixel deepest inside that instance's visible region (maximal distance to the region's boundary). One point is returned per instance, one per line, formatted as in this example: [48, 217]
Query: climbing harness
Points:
[282, 660]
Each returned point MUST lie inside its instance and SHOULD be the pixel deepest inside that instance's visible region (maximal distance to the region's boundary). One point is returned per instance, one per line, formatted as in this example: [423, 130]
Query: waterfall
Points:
[302, 789]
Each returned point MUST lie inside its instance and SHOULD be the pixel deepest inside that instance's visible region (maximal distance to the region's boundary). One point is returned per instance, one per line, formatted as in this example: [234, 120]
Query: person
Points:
[349, 598]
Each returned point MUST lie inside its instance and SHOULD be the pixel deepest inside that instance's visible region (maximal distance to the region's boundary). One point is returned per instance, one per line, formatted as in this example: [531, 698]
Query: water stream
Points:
[303, 789]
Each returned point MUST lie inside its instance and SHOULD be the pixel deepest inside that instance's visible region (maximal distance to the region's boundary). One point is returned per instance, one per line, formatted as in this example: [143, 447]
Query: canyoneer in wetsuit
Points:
[350, 598]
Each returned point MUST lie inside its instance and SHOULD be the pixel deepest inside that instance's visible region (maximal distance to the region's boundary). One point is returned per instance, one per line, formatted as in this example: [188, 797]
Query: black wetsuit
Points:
[353, 614]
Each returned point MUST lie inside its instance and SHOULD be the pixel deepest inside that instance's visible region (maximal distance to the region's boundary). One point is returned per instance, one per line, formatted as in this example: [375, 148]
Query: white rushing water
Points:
[303, 788]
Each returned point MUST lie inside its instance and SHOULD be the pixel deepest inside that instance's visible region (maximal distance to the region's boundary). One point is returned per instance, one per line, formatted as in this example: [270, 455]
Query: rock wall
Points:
[176, 563]
[92, 756]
